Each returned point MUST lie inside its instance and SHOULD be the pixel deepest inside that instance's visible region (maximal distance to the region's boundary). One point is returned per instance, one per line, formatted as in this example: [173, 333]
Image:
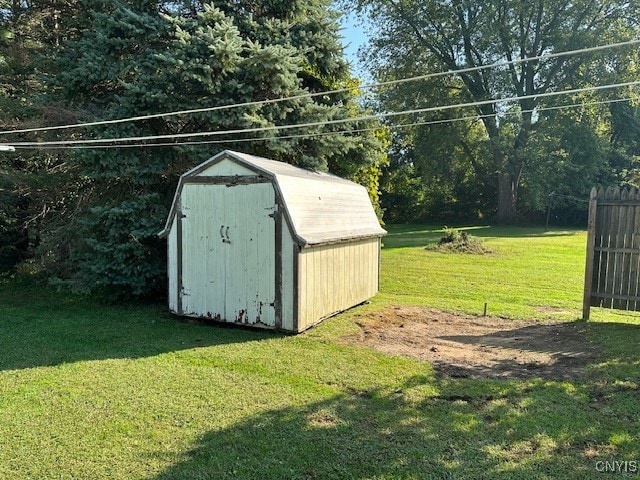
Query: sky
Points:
[353, 36]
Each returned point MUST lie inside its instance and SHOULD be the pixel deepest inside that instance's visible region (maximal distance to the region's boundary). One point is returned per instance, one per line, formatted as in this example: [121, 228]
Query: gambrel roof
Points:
[320, 208]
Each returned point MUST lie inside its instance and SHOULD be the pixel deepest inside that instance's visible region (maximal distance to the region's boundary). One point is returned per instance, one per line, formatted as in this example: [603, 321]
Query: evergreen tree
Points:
[36, 187]
[135, 58]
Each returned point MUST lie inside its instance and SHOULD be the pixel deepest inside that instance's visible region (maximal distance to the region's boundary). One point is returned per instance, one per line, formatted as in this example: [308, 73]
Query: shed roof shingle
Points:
[321, 208]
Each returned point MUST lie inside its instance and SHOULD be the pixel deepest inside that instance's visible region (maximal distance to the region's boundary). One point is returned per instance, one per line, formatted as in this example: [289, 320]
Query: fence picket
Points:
[612, 274]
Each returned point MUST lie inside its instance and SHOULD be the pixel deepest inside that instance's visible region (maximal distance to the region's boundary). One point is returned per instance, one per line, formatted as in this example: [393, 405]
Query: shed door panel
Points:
[203, 290]
[250, 254]
[229, 253]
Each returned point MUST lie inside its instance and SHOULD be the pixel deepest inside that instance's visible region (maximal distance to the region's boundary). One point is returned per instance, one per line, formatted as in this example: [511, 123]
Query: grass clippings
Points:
[456, 241]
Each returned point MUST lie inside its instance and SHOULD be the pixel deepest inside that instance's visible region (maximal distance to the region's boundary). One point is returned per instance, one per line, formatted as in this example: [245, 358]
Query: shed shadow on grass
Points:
[441, 429]
[496, 430]
[50, 328]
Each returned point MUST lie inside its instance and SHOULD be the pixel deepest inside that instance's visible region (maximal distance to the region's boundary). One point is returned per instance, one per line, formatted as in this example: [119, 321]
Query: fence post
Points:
[591, 240]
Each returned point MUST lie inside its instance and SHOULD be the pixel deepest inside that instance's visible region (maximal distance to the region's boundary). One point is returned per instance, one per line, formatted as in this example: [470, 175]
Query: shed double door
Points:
[228, 255]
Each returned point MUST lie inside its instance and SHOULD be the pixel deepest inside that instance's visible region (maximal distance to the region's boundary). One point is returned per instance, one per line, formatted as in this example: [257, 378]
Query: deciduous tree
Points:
[415, 37]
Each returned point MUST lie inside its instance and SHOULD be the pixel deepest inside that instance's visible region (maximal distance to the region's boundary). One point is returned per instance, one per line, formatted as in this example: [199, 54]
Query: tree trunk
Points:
[507, 195]
[507, 183]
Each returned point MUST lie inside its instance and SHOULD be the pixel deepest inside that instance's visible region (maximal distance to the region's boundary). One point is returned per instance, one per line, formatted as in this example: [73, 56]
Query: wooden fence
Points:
[612, 274]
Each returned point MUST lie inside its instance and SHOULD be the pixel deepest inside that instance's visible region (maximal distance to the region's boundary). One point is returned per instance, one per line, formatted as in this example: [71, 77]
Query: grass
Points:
[90, 391]
[530, 274]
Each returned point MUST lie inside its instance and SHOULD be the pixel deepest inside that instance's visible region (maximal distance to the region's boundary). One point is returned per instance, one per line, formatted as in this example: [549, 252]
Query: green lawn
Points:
[89, 391]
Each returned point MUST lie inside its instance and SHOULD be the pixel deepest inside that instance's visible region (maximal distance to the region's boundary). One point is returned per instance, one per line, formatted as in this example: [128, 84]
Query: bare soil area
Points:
[479, 347]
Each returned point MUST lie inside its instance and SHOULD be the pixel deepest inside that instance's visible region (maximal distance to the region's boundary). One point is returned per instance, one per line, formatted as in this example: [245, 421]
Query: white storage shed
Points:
[258, 242]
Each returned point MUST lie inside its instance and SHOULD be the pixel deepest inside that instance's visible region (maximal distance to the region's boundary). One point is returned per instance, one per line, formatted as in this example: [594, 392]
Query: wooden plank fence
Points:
[612, 274]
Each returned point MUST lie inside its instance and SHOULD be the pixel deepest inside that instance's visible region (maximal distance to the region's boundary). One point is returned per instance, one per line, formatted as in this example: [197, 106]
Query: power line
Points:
[329, 92]
[568, 197]
[323, 134]
[323, 123]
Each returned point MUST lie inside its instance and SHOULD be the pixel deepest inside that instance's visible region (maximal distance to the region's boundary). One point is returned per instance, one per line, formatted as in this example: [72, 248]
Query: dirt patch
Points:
[479, 347]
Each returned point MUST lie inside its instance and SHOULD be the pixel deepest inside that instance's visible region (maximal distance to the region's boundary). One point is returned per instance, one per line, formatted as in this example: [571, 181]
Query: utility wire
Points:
[568, 197]
[322, 123]
[330, 92]
[324, 134]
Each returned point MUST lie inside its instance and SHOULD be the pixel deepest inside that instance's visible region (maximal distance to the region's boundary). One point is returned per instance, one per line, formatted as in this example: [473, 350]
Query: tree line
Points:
[502, 160]
[89, 216]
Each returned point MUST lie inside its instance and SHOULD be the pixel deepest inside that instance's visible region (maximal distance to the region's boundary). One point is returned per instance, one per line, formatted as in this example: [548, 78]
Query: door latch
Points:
[224, 234]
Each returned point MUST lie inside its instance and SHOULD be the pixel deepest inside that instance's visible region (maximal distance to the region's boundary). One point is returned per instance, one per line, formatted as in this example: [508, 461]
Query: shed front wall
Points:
[226, 167]
[335, 277]
[227, 253]
[172, 267]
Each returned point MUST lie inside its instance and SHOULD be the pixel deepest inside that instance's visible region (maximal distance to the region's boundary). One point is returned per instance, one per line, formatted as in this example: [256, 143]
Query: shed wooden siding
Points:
[289, 252]
[226, 167]
[172, 268]
[332, 278]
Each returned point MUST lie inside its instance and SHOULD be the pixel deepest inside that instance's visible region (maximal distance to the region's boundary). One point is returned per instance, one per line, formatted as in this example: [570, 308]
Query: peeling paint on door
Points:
[232, 278]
